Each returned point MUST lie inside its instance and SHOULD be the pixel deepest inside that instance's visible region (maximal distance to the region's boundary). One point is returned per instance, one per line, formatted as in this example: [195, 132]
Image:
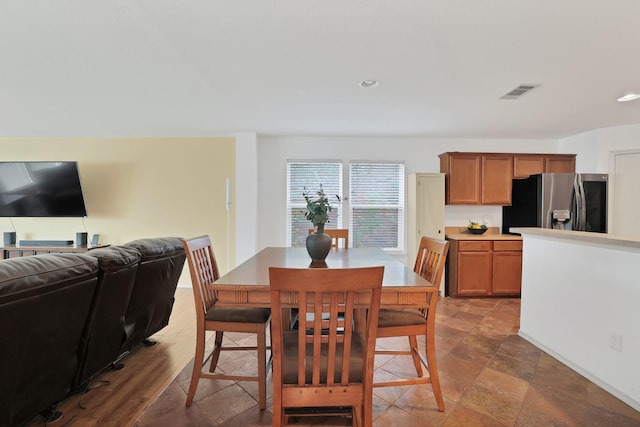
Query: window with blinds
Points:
[376, 205]
[311, 175]
[373, 210]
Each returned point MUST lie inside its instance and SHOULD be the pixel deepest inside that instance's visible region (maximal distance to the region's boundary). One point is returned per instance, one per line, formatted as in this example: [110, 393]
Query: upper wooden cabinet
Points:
[476, 178]
[560, 164]
[462, 179]
[525, 165]
[485, 178]
[531, 164]
[497, 174]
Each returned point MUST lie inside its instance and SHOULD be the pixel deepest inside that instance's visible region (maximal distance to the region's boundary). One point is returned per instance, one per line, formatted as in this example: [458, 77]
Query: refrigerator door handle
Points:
[581, 212]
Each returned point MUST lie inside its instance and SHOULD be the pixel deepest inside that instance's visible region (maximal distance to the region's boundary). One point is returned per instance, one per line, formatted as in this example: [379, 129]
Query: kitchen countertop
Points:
[492, 233]
[485, 236]
[583, 237]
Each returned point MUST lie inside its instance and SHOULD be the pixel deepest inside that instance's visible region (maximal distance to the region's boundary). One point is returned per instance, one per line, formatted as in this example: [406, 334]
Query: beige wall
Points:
[137, 187]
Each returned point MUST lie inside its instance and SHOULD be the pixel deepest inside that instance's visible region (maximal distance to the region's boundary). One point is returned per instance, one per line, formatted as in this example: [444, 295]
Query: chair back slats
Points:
[302, 351]
[430, 259]
[204, 271]
[338, 235]
[430, 262]
[348, 331]
[325, 327]
[326, 338]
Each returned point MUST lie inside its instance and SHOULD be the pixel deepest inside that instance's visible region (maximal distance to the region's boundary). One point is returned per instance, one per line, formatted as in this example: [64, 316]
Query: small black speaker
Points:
[81, 239]
[9, 237]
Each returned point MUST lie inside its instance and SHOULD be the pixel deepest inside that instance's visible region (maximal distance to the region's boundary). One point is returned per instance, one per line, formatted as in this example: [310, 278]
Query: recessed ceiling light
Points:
[369, 83]
[629, 97]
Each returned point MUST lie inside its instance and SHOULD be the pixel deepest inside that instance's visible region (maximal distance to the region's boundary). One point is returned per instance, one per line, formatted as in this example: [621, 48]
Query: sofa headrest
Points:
[159, 247]
[116, 257]
[26, 276]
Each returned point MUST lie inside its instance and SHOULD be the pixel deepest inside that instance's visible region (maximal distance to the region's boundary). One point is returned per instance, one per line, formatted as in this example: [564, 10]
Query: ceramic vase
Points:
[318, 244]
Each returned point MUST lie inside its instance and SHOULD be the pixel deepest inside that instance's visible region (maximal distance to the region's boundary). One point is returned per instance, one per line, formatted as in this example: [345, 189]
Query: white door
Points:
[625, 197]
[430, 205]
[425, 212]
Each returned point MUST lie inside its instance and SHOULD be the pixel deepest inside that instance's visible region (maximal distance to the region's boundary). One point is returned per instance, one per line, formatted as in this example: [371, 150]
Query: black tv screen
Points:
[41, 189]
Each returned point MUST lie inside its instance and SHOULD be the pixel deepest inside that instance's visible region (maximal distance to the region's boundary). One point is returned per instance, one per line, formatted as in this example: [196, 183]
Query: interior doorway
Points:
[624, 197]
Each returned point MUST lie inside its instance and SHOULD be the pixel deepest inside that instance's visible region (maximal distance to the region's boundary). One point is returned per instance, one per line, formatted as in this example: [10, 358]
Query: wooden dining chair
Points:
[325, 366]
[209, 317]
[430, 262]
[338, 235]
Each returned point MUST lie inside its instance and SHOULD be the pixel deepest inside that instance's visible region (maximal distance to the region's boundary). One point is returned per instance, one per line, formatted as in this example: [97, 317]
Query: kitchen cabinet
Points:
[497, 174]
[425, 211]
[507, 267]
[485, 178]
[560, 164]
[472, 268]
[477, 179]
[531, 164]
[487, 267]
[463, 178]
[525, 165]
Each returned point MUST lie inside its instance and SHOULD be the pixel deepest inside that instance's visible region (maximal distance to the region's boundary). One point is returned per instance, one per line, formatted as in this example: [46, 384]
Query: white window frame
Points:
[345, 210]
[400, 205]
[298, 204]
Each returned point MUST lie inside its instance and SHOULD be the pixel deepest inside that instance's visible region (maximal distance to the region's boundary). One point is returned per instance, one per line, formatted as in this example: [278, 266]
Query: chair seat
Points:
[390, 318]
[290, 345]
[242, 315]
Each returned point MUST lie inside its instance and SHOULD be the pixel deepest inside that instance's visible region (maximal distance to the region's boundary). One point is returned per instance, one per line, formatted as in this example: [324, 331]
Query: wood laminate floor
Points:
[490, 377]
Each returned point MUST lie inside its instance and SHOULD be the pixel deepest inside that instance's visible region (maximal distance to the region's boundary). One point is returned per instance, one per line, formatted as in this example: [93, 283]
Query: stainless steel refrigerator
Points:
[565, 201]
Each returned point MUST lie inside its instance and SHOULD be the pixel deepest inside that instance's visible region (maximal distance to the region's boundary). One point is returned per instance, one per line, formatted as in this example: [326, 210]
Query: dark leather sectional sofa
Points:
[66, 317]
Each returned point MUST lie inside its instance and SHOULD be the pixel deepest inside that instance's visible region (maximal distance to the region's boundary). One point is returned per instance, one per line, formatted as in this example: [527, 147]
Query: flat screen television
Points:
[41, 189]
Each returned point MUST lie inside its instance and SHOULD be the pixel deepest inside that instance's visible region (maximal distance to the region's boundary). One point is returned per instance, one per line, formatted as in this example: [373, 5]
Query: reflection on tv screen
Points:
[41, 189]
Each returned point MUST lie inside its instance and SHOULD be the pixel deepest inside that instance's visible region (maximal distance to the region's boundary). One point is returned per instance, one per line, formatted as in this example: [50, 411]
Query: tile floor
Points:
[489, 376]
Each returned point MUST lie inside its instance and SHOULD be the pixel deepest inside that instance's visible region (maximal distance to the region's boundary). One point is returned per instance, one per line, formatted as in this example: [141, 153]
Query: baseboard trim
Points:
[588, 375]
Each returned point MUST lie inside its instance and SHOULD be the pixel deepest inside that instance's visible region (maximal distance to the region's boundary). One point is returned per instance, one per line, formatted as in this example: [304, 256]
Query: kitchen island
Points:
[579, 303]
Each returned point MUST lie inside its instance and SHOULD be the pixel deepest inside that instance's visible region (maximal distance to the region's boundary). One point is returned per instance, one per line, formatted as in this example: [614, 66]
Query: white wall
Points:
[593, 147]
[245, 196]
[419, 155]
[575, 295]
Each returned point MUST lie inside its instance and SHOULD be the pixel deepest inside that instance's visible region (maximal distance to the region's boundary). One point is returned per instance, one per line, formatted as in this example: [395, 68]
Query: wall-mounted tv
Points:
[41, 189]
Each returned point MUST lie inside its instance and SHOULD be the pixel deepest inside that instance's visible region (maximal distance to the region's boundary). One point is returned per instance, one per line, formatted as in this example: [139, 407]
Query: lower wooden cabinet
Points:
[484, 267]
[507, 267]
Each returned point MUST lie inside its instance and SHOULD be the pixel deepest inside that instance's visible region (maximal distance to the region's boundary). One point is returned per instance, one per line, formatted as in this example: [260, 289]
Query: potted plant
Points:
[318, 207]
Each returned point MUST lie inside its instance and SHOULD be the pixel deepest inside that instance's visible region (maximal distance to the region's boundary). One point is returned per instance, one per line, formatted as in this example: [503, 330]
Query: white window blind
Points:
[311, 175]
[373, 211]
[376, 205]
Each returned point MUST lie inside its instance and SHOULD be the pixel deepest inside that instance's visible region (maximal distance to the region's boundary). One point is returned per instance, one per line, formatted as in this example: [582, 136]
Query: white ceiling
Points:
[211, 67]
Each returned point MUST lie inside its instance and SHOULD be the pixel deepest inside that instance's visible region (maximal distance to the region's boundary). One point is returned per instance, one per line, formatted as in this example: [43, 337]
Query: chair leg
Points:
[262, 367]
[279, 419]
[216, 351]
[433, 371]
[198, 360]
[413, 343]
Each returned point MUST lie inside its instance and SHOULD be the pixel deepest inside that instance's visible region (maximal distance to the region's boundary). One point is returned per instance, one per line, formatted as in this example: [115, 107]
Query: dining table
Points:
[247, 285]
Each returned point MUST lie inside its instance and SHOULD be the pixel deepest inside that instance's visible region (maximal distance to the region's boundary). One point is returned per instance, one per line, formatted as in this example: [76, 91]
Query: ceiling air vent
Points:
[519, 91]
